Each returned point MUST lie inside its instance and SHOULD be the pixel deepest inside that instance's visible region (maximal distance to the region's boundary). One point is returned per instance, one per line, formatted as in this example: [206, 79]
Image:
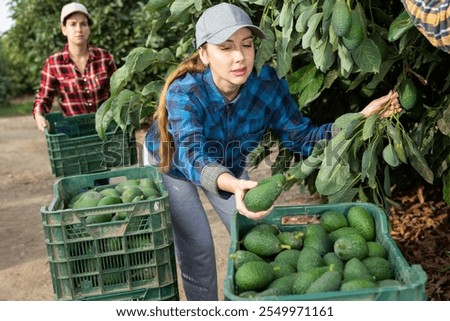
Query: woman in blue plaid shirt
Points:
[214, 110]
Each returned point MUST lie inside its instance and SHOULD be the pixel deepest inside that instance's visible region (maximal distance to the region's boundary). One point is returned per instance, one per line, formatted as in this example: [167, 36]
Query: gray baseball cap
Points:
[219, 22]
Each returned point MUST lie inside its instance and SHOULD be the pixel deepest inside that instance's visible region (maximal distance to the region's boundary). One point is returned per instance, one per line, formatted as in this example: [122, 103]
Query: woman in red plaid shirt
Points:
[79, 73]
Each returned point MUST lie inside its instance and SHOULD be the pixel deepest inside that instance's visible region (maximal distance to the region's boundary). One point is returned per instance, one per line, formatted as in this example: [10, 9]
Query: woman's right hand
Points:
[41, 122]
[239, 187]
[242, 188]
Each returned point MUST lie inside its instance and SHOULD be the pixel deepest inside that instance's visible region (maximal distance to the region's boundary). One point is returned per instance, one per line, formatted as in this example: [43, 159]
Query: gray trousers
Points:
[194, 245]
[193, 241]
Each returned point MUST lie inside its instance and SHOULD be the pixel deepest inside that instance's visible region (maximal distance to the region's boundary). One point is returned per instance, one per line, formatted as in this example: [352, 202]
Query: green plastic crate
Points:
[164, 293]
[413, 277]
[132, 259]
[75, 148]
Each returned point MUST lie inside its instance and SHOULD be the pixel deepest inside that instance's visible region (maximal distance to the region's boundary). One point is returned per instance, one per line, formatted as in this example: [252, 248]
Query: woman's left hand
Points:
[385, 106]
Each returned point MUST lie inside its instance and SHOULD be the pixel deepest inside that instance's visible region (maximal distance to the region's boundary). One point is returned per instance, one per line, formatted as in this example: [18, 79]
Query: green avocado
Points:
[264, 195]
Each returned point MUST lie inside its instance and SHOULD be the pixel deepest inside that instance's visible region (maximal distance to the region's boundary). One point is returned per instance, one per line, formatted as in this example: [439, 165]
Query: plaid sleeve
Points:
[296, 132]
[209, 176]
[432, 19]
[46, 92]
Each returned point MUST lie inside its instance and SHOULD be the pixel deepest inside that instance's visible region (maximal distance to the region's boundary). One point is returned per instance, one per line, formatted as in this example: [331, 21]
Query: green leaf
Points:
[259, 2]
[164, 55]
[446, 191]
[282, 161]
[348, 123]
[198, 5]
[347, 193]
[103, 118]
[385, 68]
[369, 163]
[312, 91]
[178, 7]
[262, 150]
[387, 181]
[361, 195]
[119, 79]
[400, 26]
[329, 79]
[367, 56]
[332, 177]
[137, 60]
[327, 8]
[360, 78]
[135, 115]
[369, 126]
[153, 87]
[301, 78]
[345, 59]
[334, 171]
[394, 134]
[417, 160]
[343, 196]
[144, 59]
[286, 18]
[444, 123]
[400, 151]
[156, 5]
[302, 22]
[334, 39]
[376, 195]
[313, 23]
[121, 105]
[348, 119]
[390, 156]
[284, 54]
[307, 166]
[267, 47]
[323, 55]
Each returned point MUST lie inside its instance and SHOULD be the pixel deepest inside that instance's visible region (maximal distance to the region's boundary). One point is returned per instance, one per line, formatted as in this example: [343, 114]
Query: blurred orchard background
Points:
[400, 163]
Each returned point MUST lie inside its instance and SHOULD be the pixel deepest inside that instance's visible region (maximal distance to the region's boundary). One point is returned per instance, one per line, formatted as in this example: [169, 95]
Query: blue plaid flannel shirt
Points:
[213, 135]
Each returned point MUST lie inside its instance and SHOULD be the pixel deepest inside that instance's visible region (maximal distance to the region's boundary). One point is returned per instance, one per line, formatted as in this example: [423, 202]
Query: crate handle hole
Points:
[300, 219]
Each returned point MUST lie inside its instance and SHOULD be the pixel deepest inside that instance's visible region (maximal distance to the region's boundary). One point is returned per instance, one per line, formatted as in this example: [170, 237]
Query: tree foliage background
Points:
[118, 26]
[330, 76]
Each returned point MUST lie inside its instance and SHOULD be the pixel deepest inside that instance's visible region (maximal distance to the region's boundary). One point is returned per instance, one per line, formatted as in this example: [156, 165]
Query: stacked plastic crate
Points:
[75, 148]
[128, 259]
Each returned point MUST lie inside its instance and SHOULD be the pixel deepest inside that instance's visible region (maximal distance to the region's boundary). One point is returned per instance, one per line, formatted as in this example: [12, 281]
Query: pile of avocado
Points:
[340, 253]
[127, 191]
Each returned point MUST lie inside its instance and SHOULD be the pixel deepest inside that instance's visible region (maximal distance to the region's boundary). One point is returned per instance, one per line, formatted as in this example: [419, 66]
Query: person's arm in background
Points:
[432, 19]
[44, 97]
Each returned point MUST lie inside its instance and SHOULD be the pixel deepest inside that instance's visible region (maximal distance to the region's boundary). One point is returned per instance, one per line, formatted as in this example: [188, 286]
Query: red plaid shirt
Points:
[79, 93]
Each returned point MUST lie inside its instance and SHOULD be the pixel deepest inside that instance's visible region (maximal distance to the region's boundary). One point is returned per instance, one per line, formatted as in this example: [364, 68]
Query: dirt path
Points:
[26, 186]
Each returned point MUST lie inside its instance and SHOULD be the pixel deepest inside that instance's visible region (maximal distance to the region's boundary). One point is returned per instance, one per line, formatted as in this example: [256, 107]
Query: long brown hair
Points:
[192, 64]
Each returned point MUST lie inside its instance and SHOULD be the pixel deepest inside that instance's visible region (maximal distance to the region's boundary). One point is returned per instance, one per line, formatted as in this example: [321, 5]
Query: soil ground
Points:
[27, 185]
